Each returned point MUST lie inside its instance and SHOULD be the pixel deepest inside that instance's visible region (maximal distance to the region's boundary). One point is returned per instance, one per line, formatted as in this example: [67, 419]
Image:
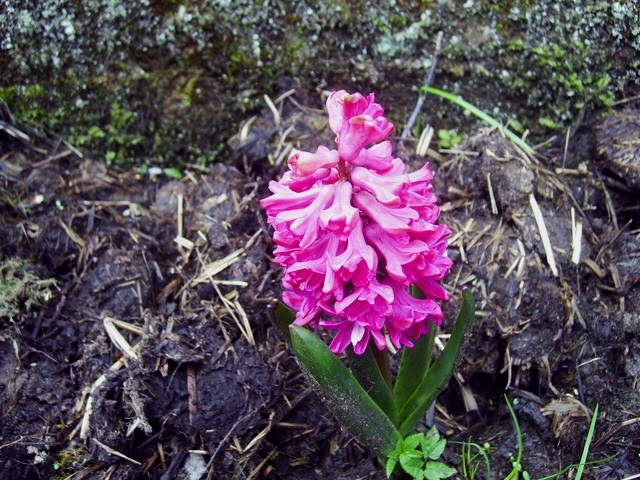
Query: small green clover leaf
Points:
[420, 463]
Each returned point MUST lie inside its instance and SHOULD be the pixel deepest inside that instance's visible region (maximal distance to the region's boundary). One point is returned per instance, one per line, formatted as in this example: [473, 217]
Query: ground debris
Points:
[618, 140]
[550, 300]
[155, 358]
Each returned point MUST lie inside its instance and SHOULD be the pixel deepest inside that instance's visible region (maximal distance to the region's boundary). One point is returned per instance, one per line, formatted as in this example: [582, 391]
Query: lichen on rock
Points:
[180, 75]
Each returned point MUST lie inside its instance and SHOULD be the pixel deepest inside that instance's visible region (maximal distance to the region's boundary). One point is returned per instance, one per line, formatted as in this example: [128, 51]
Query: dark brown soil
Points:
[155, 357]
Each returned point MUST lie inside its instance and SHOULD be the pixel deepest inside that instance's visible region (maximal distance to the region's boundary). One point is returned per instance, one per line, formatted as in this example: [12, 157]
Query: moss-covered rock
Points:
[166, 81]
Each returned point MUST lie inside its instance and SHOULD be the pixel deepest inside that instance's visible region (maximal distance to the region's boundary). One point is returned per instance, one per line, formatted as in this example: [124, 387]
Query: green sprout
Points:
[449, 138]
[173, 172]
[517, 462]
[418, 456]
[471, 461]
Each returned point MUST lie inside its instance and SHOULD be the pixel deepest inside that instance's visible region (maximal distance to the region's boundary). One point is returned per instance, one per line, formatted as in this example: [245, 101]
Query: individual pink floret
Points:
[354, 231]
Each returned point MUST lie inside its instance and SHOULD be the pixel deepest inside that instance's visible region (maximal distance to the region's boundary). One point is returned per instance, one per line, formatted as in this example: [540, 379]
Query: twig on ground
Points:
[609, 204]
[224, 441]
[193, 392]
[576, 237]
[625, 100]
[175, 464]
[416, 110]
[113, 451]
[492, 198]
[544, 234]
[129, 353]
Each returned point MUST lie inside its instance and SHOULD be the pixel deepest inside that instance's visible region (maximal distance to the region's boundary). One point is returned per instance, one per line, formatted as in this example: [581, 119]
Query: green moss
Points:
[21, 289]
[69, 461]
[31, 104]
[574, 80]
[115, 138]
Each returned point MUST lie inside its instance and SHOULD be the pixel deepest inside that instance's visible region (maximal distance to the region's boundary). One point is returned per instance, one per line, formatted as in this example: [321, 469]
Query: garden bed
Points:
[153, 356]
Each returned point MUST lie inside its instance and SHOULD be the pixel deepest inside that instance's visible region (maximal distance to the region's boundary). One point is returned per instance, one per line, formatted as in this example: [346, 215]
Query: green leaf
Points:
[414, 364]
[411, 442]
[432, 445]
[444, 135]
[435, 450]
[173, 172]
[281, 316]
[96, 132]
[437, 471]
[547, 122]
[366, 370]
[342, 393]
[439, 374]
[392, 461]
[412, 465]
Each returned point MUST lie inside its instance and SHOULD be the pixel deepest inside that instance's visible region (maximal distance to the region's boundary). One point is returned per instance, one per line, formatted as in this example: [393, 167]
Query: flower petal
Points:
[393, 220]
[340, 217]
[305, 163]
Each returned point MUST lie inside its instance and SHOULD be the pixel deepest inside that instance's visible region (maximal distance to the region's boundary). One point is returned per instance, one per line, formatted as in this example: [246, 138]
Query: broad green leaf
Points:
[366, 370]
[439, 374]
[414, 363]
[342, 393]
[437, 471]
[281, 316]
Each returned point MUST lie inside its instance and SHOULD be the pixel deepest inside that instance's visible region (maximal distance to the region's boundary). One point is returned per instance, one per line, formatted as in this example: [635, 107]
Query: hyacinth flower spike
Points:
[363, 256]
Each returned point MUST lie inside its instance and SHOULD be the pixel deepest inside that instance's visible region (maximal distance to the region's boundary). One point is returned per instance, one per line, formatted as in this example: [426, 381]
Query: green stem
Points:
[382, 359]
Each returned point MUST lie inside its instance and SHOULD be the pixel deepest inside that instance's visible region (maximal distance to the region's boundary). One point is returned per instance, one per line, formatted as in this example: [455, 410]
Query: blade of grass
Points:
[481, 452]
[587, 444]
[481, 115]
[518, 465]
[575, 465]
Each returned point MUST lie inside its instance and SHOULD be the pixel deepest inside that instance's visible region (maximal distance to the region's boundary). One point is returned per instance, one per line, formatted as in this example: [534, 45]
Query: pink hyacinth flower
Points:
[354, 231]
